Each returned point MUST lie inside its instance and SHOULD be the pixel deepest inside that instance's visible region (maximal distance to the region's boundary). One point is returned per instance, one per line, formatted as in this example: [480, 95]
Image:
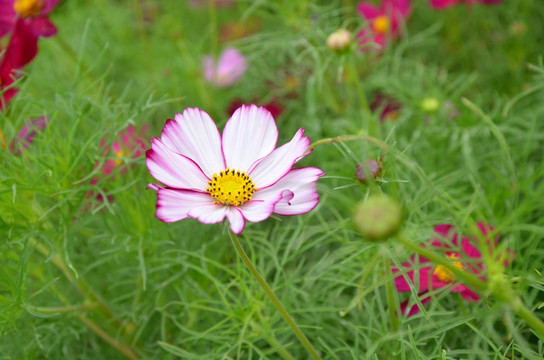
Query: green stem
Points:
[389, 293]
[362, 96]
[270, 293]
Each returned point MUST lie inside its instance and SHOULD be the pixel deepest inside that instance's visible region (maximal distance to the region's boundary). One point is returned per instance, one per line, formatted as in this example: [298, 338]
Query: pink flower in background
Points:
[228, 70]
[442, 4]
[128, 145]
[34, 14]
[385, 22]
[30, 130]
[240, 175]
[464, 256]
[387, 106]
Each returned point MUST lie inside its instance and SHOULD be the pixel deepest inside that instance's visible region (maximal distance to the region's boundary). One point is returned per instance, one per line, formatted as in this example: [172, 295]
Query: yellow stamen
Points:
[119, 154]
[381, 24]
[444, 274]
[28, 8]
[231, 187]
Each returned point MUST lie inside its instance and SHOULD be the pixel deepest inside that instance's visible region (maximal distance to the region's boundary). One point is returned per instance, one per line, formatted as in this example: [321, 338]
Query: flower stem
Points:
[389, 293]
[270, 293]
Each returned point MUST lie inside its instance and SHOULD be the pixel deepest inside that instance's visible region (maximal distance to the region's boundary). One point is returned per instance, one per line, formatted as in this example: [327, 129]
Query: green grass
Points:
[72, 266]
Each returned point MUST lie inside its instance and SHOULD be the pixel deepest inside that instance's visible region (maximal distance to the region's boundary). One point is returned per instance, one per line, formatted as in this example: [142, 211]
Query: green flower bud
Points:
[378, 217]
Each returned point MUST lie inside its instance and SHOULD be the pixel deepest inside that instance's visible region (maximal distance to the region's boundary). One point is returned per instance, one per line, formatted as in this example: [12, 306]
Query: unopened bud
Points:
[430, 105]
[365, 170]
[378, 217]
[339, 40]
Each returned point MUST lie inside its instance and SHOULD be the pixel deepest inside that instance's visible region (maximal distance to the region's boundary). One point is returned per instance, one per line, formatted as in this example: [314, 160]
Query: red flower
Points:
[442, 4]
[21, 49]
[429, 276]
[129, 143]
[33, 12]
[387, 106]
[385, 22]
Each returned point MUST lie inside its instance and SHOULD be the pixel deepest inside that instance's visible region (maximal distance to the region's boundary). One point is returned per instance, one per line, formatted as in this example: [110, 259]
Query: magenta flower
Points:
[385, 22]
[431, 277]
[240, 175]
[228, 70]
[33, 12]
[128, 144]
[442, 4]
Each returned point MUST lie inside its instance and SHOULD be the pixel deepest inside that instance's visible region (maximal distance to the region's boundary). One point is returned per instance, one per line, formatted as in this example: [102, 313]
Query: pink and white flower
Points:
[239, 175]
[228, 70]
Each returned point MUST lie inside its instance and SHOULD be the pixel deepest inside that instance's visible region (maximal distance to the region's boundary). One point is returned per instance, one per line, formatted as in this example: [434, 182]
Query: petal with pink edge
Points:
[469, 295]
[298, 191]
[174, 205]
[277, 164]
[249, 135]
[258, 210]
[209, 213]
[194, 135]
[236, 220]
[173, 169]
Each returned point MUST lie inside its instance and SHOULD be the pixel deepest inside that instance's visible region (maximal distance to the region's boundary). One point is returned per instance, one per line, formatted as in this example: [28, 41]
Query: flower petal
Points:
[236, 220]
[174, 205]
[298, 191]
[469, 295]
[368, 10]
[249, 135]
[209, 213]
[277, 164]
[173, 169]
[194, 135]
[423, 279]
[255, 210]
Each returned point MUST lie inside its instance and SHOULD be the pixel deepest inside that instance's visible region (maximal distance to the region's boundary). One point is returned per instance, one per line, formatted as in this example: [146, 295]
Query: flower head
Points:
[33, 12]
[442, 4]
[385, 22]
[228, 70]
[128, 144]
[239, 175]
[428, 276]
[387, 106]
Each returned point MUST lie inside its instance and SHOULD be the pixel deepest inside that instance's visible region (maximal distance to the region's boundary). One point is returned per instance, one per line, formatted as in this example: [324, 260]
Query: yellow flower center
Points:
[444, 274]
[231, 187]
[119, 154]
[381, 24]
[28, 8]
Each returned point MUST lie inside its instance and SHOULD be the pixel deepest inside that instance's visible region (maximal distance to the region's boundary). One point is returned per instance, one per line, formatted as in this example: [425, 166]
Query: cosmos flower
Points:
[385, 22]
[128, 144]
[442, 4]
[239, 175]
[387, 106]
[463, 255]
[34, 14]
[228, 70]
